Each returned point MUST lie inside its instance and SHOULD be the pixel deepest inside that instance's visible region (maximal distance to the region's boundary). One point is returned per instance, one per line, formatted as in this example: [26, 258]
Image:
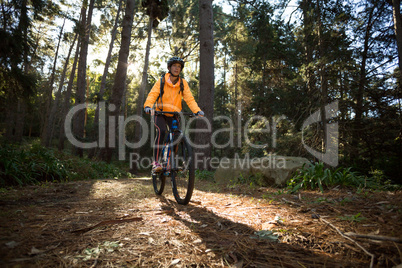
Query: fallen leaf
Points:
[380, 219]
[303, 209]
[375, 232]
[238, 264]
[268, 225]
[35, 251]
[176, 243]
[11, 244]
[145, 233]
[174, 262]
[265, 234]
[278, 220]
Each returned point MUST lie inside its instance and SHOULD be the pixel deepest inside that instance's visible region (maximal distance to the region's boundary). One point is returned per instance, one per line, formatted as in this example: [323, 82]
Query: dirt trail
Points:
[222, 227]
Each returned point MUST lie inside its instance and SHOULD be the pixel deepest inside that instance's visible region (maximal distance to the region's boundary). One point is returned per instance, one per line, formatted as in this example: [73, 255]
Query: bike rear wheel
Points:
[158, 180]
[183, 171]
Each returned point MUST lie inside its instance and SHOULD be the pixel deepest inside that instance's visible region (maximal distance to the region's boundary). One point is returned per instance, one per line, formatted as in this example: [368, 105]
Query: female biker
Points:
[169, 99]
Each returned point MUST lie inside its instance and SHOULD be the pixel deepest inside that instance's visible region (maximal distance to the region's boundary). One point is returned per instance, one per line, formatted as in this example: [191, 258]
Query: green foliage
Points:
[353, 218]
[344, 201]
[321, 200]
[204, 175]
[268, 197]
[265, 234]
[35, 164]
[318, 177]
[157, 10]
[279, 192]
[93, 253]
[252, 180]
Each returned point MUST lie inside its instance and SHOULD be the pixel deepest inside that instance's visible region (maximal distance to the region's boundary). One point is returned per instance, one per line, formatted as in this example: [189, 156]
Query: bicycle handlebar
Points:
[176, 113]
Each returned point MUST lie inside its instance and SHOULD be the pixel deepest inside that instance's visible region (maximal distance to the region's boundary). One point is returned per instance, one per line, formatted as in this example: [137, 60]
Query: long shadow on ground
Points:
[236, 243]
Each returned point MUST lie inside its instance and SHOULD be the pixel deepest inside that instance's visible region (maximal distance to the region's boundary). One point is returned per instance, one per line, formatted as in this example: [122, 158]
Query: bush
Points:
[35, 164]
[318, 177]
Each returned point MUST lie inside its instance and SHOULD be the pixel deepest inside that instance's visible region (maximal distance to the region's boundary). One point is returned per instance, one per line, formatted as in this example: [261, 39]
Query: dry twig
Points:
[375, 237]
[291, 202]
[347, 237]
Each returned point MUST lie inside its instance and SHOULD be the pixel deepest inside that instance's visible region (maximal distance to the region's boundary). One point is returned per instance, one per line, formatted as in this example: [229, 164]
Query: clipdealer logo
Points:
[329, 156]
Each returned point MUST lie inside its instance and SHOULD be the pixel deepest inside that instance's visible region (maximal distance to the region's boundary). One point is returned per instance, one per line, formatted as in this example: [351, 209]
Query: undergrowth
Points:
[31, 164]
[317, 176]
[255, 180]
[204, 175]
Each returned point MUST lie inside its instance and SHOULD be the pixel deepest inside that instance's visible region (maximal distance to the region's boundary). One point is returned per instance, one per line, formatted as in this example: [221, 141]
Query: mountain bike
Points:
[177, 163]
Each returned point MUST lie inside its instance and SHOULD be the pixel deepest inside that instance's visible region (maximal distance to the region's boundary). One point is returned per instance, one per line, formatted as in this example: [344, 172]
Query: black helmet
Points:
[173, 60]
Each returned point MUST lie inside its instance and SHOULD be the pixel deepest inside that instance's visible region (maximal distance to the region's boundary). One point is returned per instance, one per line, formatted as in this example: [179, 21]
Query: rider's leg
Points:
[160, 125]
[161, 122]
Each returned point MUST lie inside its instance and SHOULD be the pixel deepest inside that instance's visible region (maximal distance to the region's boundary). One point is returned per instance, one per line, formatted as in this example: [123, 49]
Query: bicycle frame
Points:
[172, 139]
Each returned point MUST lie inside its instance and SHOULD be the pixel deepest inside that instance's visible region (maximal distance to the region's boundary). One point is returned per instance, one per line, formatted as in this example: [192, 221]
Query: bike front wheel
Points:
[183, 171]
[158, 180]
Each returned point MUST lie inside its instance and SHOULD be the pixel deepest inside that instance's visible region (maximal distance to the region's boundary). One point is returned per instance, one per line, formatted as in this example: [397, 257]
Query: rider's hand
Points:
[200, 113]
[147, 110]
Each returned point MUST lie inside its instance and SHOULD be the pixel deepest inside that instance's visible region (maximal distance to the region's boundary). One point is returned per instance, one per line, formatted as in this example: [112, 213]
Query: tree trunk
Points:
[20, 118]
[47, 127]
[79, 120]
[10, 117]
[50, 122]
[15, 119]
[237, 100]
[396, 4]
[360, 90]
[206, 92]
[141, 92]
[398, 32]
[237, 106]
[308, 46]
[105, 73]
[120, 79]
[109, 54]
[145, 71]
[18, 103]
[323, 77]
[66, 104]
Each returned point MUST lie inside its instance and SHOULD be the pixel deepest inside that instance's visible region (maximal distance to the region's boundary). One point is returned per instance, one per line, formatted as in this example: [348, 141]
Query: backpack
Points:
[162, 85]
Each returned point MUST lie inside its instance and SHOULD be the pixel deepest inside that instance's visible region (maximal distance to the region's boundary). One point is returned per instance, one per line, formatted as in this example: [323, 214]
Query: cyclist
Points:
[168, 99]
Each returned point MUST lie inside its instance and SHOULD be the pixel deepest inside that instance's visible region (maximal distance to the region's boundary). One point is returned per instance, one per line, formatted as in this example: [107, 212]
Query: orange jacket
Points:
[172, 96]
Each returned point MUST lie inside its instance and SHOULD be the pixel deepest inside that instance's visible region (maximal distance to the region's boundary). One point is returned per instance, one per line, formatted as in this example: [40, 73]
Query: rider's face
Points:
[175, 69]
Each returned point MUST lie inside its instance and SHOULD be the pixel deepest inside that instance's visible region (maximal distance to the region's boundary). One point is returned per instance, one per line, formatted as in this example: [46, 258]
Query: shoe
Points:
[156, 167]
